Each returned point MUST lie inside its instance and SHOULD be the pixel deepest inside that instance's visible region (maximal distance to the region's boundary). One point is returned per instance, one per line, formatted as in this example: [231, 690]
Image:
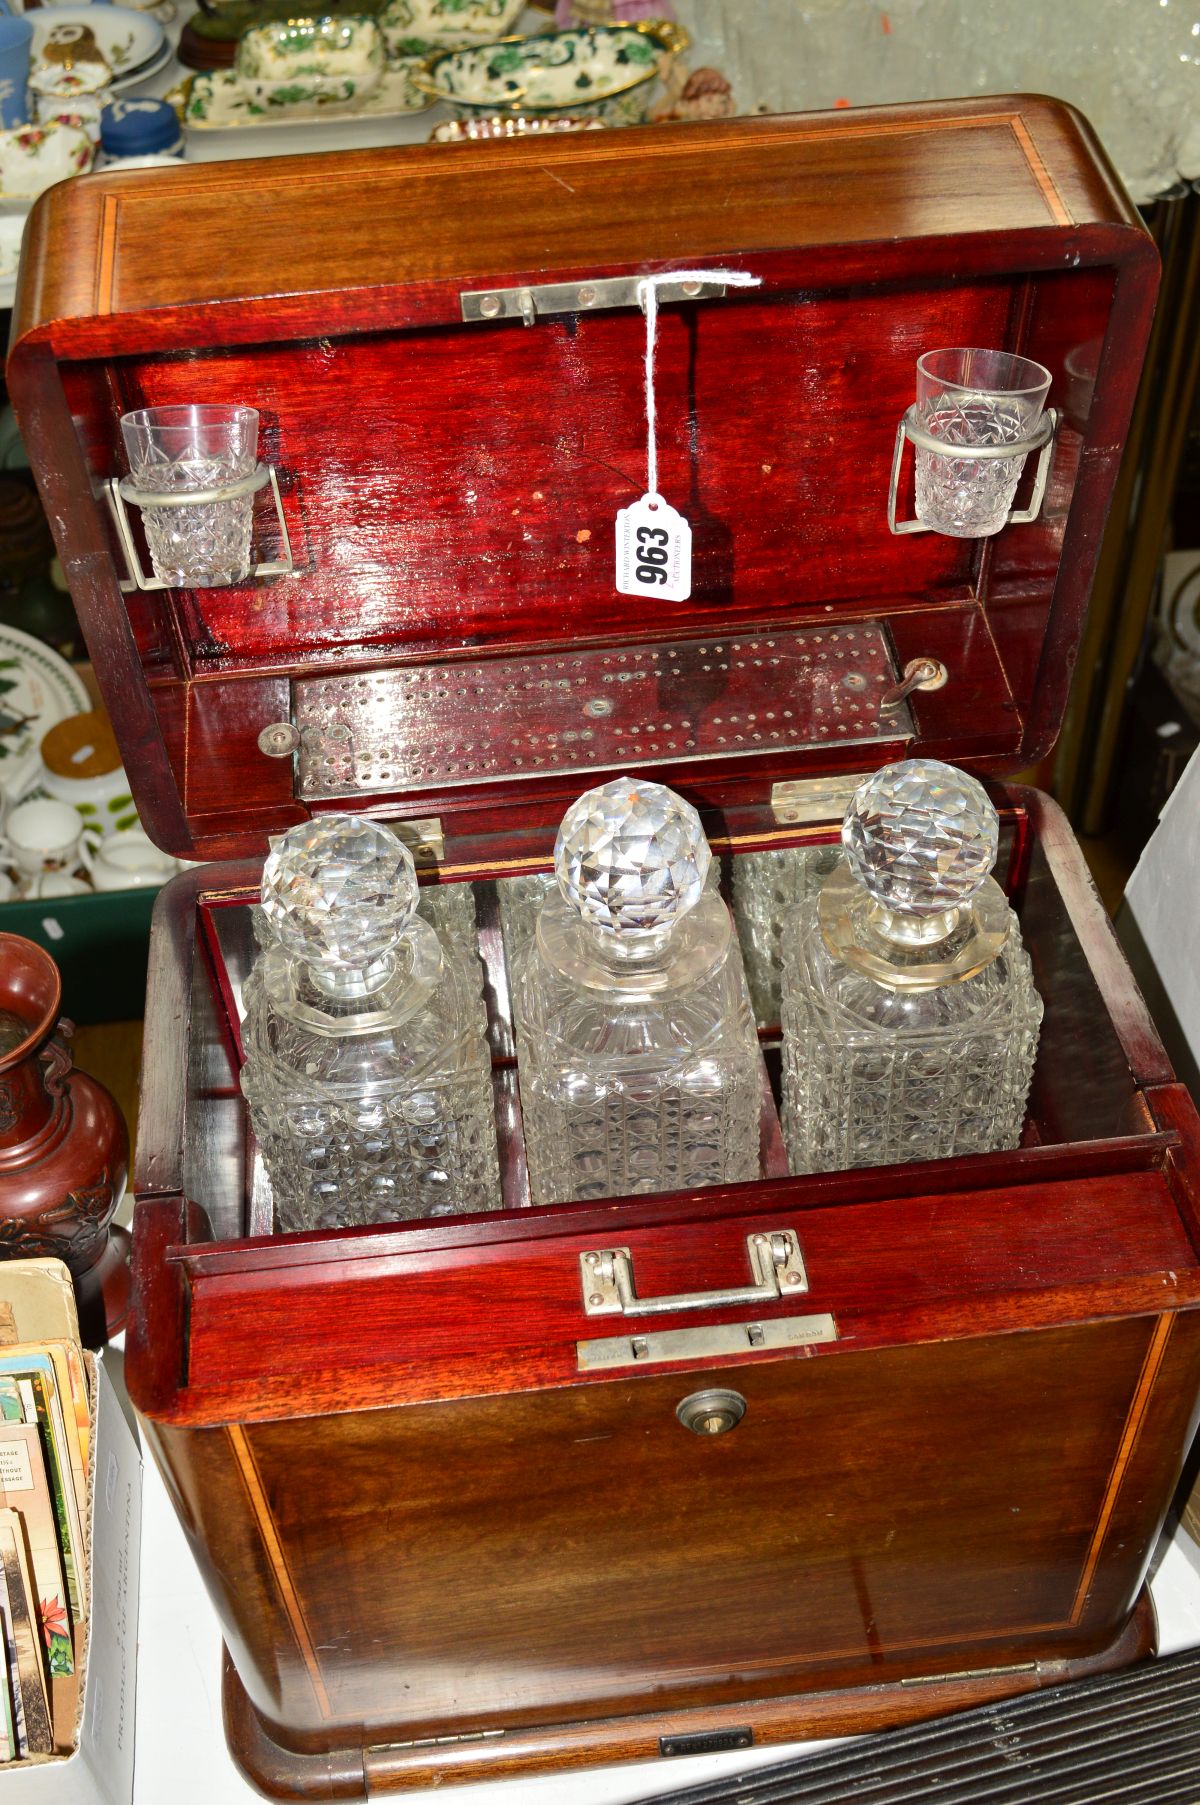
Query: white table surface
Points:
[180, 1741]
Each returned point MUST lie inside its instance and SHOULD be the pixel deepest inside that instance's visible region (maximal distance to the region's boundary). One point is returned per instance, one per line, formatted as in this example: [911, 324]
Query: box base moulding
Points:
[369, 1771]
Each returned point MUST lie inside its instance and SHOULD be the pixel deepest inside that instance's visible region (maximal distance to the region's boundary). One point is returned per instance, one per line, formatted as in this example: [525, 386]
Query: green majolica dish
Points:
[609, 72]
[419, 27]
[296, 62]
[218, 103]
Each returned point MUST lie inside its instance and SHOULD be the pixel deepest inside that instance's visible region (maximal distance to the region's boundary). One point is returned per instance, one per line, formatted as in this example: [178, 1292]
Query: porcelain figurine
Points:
[702, 94]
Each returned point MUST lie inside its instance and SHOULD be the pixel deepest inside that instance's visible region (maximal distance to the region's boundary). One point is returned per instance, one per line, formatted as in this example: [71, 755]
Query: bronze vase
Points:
[64, 1149]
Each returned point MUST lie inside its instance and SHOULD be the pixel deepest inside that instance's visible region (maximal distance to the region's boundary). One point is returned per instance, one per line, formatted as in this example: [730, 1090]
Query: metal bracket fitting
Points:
[1040, 440]
[776, 1263]
[121, 490]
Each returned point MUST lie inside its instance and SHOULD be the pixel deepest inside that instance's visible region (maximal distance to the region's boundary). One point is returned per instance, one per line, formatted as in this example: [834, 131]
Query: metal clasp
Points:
[910, 428]
[122, 489]
[919, 673]
[776, 1263]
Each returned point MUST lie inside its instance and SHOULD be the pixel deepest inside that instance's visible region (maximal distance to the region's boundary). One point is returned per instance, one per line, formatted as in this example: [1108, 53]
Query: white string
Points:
[647, 290]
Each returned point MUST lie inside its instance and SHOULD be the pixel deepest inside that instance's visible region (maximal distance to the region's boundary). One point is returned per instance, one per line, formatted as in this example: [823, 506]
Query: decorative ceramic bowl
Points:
[33, 157]
[609, 72]
[420, 27]
[297, 62]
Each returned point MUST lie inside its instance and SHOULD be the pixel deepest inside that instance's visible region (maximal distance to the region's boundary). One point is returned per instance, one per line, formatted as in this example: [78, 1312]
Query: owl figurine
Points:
[71, 62]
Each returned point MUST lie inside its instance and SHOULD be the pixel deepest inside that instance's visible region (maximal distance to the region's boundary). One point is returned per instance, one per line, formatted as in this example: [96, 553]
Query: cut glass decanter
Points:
[638, 1058]
[367, 1070]
[910, 1018]
[768, 888]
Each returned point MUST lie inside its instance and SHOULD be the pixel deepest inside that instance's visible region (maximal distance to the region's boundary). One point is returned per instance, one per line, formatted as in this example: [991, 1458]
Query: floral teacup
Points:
[42, 835]
[34, 157]
[133, 862]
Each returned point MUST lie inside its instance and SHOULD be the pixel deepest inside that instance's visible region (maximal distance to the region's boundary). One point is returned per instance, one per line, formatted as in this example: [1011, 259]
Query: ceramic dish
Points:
[611, 72]
[37, 690]
[218, 103]
[297, 62]
[115, 36]
[419, 27]
[34, 157]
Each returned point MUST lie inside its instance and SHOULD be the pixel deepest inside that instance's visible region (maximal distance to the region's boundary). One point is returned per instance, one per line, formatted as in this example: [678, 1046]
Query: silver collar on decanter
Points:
[906, 952]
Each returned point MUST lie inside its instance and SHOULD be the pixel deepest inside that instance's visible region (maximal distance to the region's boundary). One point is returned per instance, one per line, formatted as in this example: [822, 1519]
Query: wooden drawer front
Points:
[350, 1327]
[521, 1559]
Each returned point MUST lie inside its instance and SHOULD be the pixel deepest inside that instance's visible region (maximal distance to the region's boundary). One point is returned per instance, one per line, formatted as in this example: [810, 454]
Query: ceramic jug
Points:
[64, 1150]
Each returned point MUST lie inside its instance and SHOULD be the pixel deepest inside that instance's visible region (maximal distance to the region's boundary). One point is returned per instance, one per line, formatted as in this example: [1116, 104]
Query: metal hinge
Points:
[575, 297]
[433, 1742]
[423, 837]
[809, 799]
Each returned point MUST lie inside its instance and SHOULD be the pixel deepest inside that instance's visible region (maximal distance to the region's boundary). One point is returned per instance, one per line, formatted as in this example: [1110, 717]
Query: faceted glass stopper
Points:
[920, 836]
[631, 857]
[338, 891]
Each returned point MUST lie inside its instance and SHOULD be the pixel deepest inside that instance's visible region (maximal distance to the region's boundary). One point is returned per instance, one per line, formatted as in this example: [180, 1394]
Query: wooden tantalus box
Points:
[450, 1519]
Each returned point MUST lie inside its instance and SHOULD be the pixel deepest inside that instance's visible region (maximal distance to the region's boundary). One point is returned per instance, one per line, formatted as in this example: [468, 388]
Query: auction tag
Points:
[654, 551]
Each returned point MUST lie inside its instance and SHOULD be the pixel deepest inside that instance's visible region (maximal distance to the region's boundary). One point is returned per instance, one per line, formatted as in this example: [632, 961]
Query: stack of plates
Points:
[37, 690]
[133, 44]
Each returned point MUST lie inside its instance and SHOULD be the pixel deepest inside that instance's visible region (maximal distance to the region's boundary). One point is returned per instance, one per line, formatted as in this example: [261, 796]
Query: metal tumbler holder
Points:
[122, 490]
[1041, 440]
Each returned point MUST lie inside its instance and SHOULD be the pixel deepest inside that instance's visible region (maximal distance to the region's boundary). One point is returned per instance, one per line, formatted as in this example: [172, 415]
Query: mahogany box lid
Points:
[451, 644]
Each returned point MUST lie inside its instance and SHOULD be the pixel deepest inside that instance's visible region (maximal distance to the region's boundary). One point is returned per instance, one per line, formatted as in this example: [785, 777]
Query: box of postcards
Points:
[663, 1221]
[70, 1516]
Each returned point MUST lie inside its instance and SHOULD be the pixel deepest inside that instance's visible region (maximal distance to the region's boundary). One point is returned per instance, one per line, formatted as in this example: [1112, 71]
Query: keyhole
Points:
[711, 1412]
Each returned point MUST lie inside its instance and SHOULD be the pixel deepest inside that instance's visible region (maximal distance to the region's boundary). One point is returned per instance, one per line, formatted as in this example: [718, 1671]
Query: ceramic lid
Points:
[82, 746]
[135, 128]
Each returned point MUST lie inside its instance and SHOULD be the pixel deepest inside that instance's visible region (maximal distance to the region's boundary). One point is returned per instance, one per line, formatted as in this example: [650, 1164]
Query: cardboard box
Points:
[99, 943]
[100, 1771]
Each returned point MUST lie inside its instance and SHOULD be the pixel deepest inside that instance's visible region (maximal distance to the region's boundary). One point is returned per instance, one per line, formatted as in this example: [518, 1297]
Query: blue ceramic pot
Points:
[16, 35]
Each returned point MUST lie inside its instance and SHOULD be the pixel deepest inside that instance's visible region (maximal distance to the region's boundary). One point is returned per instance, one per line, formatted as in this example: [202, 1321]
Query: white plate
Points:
[37, 690]
[135, 77]
[128, 40]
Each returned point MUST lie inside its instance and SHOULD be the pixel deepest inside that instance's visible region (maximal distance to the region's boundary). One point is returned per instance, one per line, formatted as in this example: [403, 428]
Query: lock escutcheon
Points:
[712, 1412]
